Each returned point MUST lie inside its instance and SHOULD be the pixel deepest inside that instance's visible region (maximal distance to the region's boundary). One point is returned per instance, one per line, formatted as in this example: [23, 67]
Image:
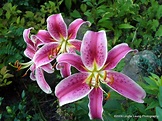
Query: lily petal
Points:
[36, 41]
[29, 51]
[41, 81]
[74, 45]
[42, 56]
[125, 86]
[26, 33]
[116, 54]
[32, 76]
[57, 27]
[64, 69]
[94, 49]
[71, 59]
[95, 104]
[48, 68]
[44, 36]
[33, 67]
[72, 88]
[74, 27]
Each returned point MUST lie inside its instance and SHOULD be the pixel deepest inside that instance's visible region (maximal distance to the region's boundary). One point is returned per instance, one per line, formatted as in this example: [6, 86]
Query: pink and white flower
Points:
[58, 39]
[95, 65]
[36, 73]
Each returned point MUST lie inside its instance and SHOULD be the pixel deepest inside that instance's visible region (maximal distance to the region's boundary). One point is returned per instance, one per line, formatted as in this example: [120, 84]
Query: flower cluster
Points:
[94, 64]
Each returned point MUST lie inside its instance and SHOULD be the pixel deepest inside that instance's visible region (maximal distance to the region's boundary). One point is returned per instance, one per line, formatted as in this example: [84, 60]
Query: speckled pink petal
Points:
[71, 59]
[64, 69]
[94, 48]
[116, 54]
[74, 27]
[26, 33]
[45, 54]
[74, 45]
[48, 68]
[125, 86]
[44, 36]
[72, 88]
[57, 27]
[95, 104]
[41, 81]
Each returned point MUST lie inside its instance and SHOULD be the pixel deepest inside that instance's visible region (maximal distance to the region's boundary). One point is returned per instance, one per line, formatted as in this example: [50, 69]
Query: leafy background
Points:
[136, 22]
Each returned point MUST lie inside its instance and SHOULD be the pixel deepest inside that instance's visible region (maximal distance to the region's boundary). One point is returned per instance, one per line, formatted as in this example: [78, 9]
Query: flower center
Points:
[95, 76]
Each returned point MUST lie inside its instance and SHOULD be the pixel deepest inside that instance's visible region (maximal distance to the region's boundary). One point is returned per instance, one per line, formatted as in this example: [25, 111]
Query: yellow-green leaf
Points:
[125, 26]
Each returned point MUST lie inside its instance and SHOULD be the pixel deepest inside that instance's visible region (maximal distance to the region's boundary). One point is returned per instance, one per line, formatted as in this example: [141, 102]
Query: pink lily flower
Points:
[58, 39]
[36, 73]
[95, 65]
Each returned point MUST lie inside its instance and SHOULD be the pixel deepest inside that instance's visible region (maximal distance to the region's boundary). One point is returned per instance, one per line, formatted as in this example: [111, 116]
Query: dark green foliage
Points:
[15, 21]
[135, 22]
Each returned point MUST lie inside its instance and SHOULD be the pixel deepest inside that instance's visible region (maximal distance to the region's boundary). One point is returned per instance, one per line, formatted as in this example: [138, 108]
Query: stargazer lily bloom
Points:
[36, 73]
[58, 39]
[95, 65]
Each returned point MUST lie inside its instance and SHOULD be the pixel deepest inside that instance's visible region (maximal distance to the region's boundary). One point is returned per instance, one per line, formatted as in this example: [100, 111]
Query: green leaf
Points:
[153, 104]
[68, 4]
[7, 75]
[23, 94]
[1, 99]
[83, 7]
[8, 82]
[52, 3]
[8, 15]
[29, 14]
[150, 81]
[22, 21]
[159, 31]
[75, 14]
[160, 96]
[9, 110]
[155, 24]
[159, 113]
[125, 26]
[18, 20]
[1, 12]
[4, 70]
